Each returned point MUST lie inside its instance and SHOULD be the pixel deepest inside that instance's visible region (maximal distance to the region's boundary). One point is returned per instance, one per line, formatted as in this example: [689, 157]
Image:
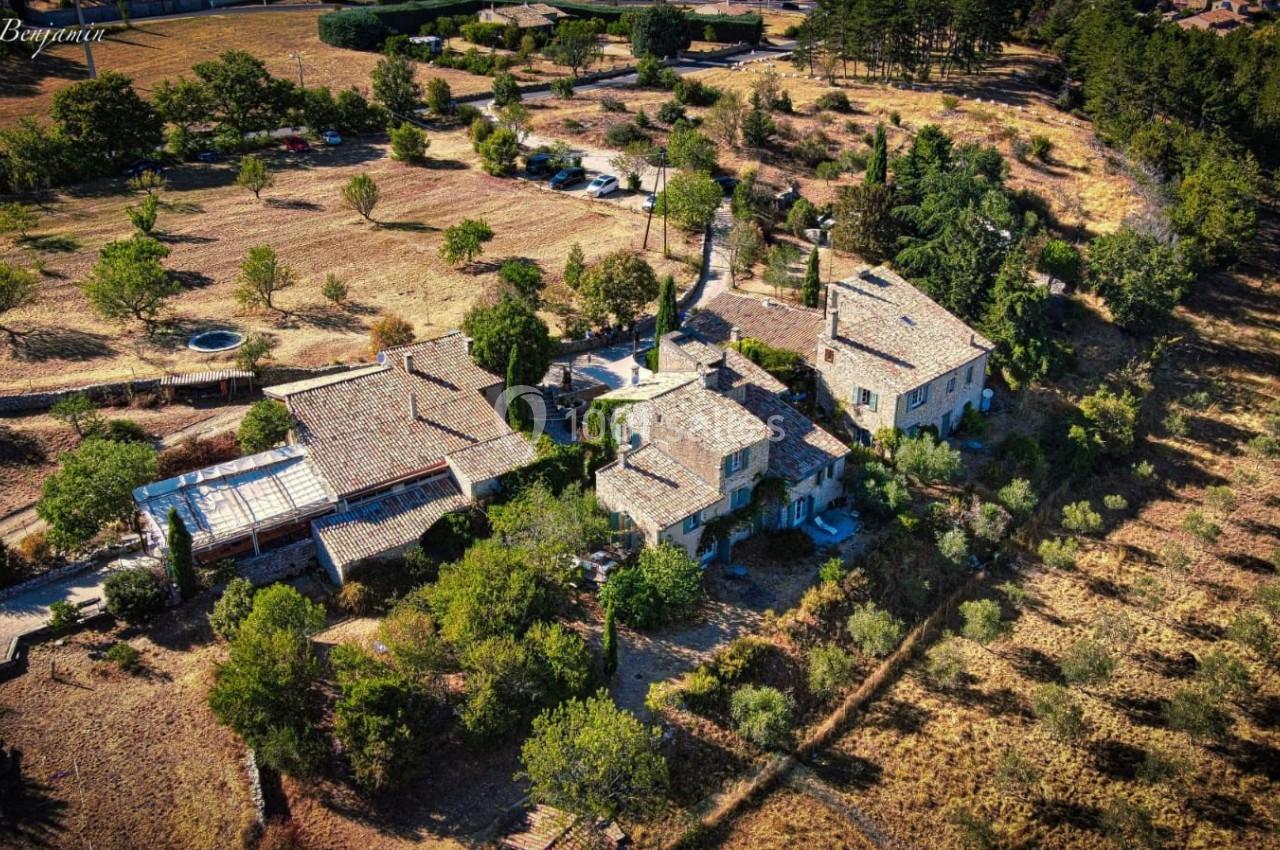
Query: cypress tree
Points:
[668, 317]
[181, 560]
[515, 406]
[812, 284]
[610, 643]
[878, 164]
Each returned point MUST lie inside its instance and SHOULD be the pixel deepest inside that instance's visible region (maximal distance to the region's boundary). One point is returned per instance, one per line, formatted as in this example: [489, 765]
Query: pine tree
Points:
[610, 643]
[812, 286]
[574, 266]
[181, 560]
[516, 410]
[878, 164]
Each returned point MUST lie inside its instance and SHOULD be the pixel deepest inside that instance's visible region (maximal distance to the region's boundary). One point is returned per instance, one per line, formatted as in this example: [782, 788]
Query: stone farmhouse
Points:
[697, 439]
[884, 354]
[528, 16]
[376, 456]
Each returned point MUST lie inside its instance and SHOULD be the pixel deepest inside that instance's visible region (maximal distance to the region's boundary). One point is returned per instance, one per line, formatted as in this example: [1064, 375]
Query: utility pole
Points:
[659, 176]
[88, 51]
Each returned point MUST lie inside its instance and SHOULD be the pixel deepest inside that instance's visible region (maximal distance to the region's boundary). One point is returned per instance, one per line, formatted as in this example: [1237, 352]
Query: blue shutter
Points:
[725, 465]
[873, 402]
[746, 458]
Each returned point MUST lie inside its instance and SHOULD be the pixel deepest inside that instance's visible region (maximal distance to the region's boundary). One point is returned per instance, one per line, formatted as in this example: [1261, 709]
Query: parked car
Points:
[331, 137]
[650, 201]
[785, 199]
[296, 144]
[208, 156]
[567, 177]
[539, 164]
[603, 186]
[142, 166]
[727, 184]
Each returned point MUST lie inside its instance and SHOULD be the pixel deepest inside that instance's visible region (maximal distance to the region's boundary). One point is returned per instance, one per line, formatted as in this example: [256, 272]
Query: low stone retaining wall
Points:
[279, 564]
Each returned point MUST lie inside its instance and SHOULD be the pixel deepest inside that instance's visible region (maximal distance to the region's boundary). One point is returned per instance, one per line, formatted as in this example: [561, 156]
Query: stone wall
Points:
[279, 564]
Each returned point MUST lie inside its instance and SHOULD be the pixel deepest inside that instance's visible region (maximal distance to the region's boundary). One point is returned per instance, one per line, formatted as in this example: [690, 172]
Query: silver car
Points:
[603, 186]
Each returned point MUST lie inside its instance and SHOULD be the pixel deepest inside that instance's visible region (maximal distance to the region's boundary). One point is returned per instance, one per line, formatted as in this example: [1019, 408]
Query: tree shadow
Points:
[61, 344]
[1118, 759]
[445, 164]
[1225, 811]
[28, 810]
[1033, 664]
[55, 243]
[902, 716]
[1264, 711]
[293, 204]
[328, 318]
[1253, 757]
[19, 448]
[845, 772]
[1080, 815]
[184, 239]
[191, 279]
[1145, 711]
[407, 226]
[182, 207]
[1176, 665]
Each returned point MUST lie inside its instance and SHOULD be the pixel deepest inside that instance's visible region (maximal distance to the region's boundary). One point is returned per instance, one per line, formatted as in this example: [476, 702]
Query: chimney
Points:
[973, 341]
[408, 362]
[623, 450]
[735, 334]
[833, 313]
[413, 407]
[710, 377]
[470, 342]
[635, 374]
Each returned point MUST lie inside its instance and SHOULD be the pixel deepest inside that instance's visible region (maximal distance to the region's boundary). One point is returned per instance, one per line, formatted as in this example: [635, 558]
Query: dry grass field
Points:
[153, 51]
[118, 760]
[921, 753]
[209, 224]
[1081, 183]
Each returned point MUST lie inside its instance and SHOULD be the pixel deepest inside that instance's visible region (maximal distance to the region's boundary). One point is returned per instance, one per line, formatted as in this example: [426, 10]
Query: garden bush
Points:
[762, 715]
[135, 596]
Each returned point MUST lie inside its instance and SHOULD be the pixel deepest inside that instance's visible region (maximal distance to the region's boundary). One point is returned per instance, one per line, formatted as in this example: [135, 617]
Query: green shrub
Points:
[409, 144]
[1059, 553]
[927, 459]
[831, 670]
[1115, 502]
[946, 665]
[1058, 712]
[1220, 499]
[135, 596]
[63, 617]
[232, 607]
[124, 656]
[665, 585]
[836, 101]
[953, 546]
[762, 715]
[624, 134]
[875, 631]
[700, 690]
[982, 620]
[1201, 527]
[1081, 518]
[266, 424]
[1087, 662]
[832, 569]
[1197, 711]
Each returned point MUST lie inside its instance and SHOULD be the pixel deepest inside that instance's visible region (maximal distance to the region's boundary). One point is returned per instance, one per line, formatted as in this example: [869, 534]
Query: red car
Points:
[296, 144]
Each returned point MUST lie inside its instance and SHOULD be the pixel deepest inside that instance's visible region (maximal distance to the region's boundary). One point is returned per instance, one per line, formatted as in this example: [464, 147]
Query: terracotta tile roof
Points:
[389, 521]
[651, 386]
[283, 391]
[719, 423]
[1214, 19]
[654, 486]
[896, 333]
[804, 447]
[735, 369]
[770, 321]
[195, 378]
[492, 458]
[362, 432]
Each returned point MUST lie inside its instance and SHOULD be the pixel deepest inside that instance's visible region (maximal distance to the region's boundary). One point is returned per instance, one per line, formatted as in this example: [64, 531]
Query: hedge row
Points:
[366, 28]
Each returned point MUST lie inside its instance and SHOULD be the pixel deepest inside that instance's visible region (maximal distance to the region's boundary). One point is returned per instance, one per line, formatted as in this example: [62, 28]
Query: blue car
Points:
[567, 177]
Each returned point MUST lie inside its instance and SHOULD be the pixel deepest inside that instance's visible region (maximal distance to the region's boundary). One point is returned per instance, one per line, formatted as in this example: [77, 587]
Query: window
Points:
[692, 522]
[864, 397]
[741, 498]
[918, 396]
[829, 355]
[951, 385]
[968, 376]
[831, 471]
[736, 461]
